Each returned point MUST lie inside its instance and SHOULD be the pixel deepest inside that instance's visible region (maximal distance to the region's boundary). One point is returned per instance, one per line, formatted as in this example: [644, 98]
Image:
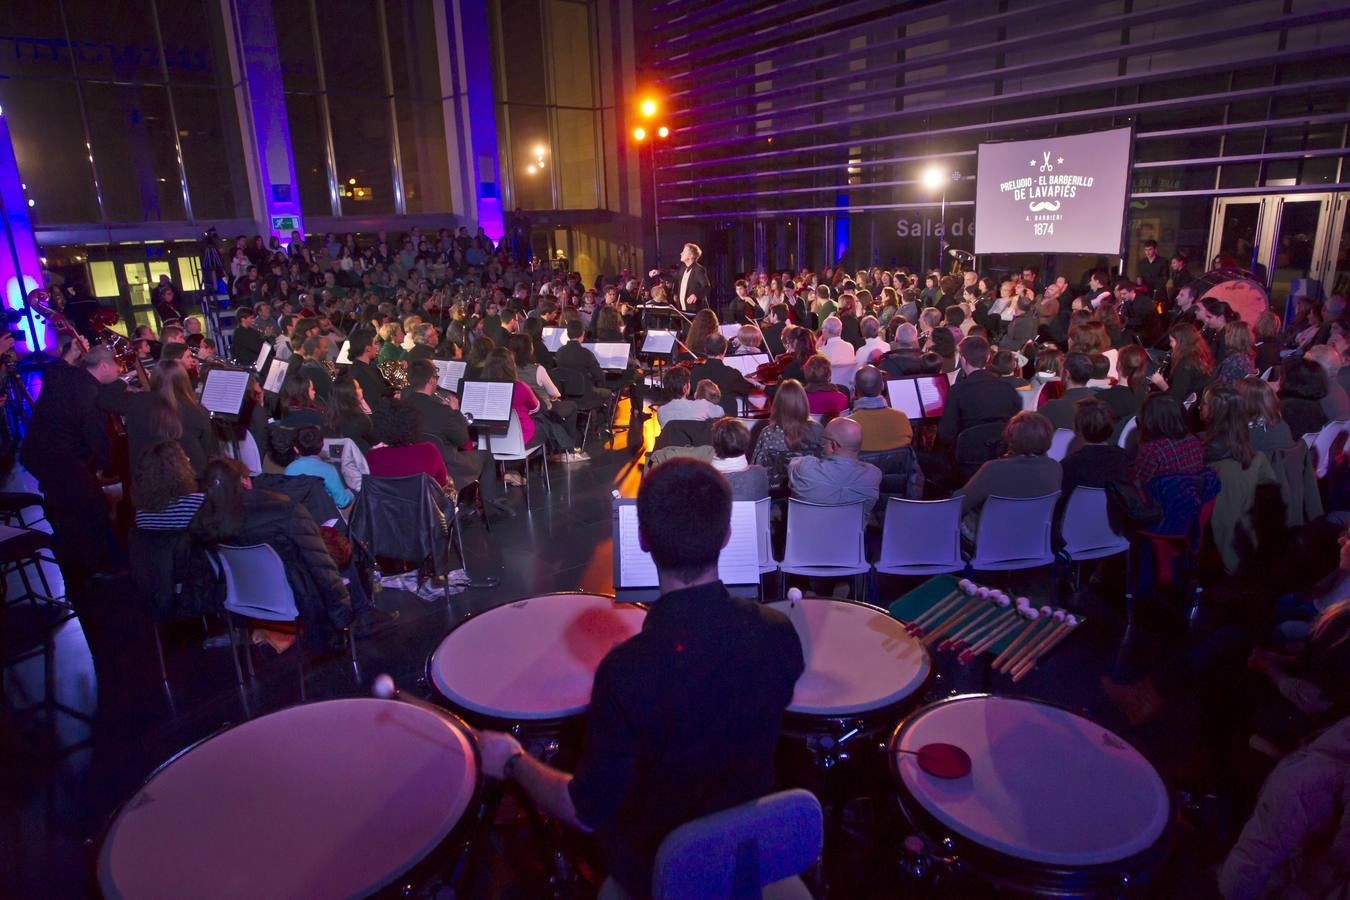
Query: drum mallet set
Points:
[971, 619]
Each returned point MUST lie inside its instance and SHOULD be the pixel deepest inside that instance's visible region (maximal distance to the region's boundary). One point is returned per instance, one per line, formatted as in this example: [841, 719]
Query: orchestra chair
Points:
[1086, 531]
[510, 447]
[921, 537]
[1014, 533]
[431, 521]
[825, 542]
[1060, 442]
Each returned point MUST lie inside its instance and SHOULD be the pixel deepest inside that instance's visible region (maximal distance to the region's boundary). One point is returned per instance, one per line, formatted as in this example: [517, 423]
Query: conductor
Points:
[692, 287]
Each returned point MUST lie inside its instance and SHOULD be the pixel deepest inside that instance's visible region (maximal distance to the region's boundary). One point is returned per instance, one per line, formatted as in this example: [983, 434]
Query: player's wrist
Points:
[509, 767]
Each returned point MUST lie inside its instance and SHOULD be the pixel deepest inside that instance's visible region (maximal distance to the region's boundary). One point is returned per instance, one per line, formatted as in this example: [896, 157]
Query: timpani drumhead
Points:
[858, 658]
[1045, 785]
[331, 799]
[1245, 295]
[532, 659]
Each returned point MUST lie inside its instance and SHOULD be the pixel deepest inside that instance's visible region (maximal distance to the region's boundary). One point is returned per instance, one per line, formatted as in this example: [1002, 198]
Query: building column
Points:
[262, 113]
[465, 43]
[20, 262]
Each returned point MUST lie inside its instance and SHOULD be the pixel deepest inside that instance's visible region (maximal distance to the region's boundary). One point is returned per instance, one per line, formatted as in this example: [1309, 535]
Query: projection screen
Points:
[1057, 195]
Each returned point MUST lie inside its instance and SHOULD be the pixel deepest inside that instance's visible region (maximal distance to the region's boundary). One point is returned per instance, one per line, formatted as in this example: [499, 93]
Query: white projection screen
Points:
[1057, 195]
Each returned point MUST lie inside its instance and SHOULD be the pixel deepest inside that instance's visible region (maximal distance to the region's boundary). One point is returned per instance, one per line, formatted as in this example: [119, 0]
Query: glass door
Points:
[1281, 238]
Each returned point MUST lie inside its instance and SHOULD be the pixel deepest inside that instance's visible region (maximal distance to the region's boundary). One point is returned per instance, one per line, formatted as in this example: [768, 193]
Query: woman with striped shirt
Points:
[164, 490]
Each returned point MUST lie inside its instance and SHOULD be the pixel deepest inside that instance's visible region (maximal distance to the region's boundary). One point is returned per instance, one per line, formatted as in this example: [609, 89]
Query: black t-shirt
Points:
[684, 721]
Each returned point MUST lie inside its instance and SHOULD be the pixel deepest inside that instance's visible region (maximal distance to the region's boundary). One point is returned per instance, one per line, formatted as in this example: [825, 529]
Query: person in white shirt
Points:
[837, 350]
[873, 344]
[680, 406]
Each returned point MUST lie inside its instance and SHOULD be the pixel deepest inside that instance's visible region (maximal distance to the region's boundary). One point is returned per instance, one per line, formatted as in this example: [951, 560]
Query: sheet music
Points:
[729, 331]
[748, 363]
[739, 562]
[931, 396]
[486, 401]
[611, 355]
[276, 375]
[554, 338]
[450, 372]
[636, 568]
[658, 342]
[905, 397]
[223, 390]
[342, 358]
[263, 353]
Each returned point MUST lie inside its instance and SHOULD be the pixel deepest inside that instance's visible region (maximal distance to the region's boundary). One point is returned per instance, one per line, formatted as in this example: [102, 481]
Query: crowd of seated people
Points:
[1168, 402]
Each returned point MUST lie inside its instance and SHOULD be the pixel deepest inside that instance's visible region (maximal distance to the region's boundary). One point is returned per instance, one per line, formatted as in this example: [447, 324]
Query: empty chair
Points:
[1059, 444]
[510, 447]
[1014, 534]
[767, 563]
[429, 524]
[842, 375]
[921, 537]
[824, 541]
[1086, 528]
[752, 850]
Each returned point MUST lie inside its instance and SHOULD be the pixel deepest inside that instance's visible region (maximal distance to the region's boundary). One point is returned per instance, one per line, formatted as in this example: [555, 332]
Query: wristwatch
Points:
[509, 767]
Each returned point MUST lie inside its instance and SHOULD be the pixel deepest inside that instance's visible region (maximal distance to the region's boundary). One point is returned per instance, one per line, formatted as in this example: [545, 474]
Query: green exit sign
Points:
[285, 223]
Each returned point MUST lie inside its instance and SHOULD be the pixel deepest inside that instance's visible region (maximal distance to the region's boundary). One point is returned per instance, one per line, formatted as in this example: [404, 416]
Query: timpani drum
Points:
[1054, 804]
[1239, 289]
[862, 670]
[341, 798]
[527, 667]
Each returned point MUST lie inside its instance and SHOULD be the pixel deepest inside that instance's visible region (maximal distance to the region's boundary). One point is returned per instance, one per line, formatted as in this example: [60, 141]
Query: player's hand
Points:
[496, 748]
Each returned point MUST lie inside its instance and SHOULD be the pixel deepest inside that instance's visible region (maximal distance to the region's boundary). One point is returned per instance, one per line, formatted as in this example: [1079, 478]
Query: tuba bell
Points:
[395, 372]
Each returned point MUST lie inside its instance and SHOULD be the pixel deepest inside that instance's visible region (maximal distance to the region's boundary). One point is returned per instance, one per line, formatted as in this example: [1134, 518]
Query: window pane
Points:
[208, 129]
[32, 41]
[364, 153]
[44, 122]
[426, 170]
[351, 52]
[412, 48]
[104, 276]
[134, 150]
[529, 132]
[523, 41]
[114, 41]
[189, 272]
[295, 45]
[193, 43]
[578, 167]
[311, 164]
[572, 55]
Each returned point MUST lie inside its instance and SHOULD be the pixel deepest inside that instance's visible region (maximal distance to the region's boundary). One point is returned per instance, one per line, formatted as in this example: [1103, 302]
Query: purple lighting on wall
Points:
[20, 264]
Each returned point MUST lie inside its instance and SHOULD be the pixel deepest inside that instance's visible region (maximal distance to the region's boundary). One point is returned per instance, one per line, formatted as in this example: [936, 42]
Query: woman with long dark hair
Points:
[169, 411]
[299, 407]
[1191, 366]
[790, 433]
[347, 415]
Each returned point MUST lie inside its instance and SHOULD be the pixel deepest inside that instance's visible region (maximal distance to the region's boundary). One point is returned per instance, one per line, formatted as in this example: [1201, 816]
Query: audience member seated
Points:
[978, 397]
[822, 396]
[789, 434]
[833, 346]
[1076, 375]
[873, 346]
[308, 446]
[1166, 446]
[1004, 364]
[1336, 403]
[1269, 432]
[731, 443]
[164, 489]
[404, 449]
[883, 428]
[1303, 388]
[1131, 387]
[1249, 505]
[234, 513]
[1097, 462]
[298, 404]
[905, 358]
[730, 382]
[1190, 367]
[1239, 361]
[347, 415]
[1023, 471]
[837, 477]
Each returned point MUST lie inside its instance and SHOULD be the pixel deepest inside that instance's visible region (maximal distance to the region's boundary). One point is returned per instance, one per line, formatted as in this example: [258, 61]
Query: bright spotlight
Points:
[933, 177]
[639, 134]
[648, 108]
[351, 181]
[538, 149]
[531, 169]
[663, 132]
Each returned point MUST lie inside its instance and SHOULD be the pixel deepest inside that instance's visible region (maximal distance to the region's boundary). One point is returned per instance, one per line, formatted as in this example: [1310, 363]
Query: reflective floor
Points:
[62, 775]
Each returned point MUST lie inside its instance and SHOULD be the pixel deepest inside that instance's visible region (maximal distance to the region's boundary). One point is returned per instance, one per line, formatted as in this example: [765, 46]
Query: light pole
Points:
[647, 109]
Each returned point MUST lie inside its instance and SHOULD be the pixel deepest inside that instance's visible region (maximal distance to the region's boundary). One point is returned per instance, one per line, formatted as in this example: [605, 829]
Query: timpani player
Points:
[685, 715]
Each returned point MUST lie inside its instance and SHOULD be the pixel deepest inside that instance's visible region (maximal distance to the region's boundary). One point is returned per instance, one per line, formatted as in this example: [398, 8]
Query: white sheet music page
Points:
[449, 372]
[931, 396]
[343, 359]
[263, 353]
[658, 342]
[223, 391]
[276, 375]
[905, 397]
[488, 401]
[739, 562]
[636, 568]
[553, 338]
[748, 363]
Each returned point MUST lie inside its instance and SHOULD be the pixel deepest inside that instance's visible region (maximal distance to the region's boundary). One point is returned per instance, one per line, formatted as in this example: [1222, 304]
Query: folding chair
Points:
[510, 447]
[1059, 444]
[825, 541]
[767, 563]
[1086, 530]
[921, 537]
[1014, 533]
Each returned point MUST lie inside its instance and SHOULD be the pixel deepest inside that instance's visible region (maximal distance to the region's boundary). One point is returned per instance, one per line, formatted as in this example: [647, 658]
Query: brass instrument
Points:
[329, 366]
[395, 372]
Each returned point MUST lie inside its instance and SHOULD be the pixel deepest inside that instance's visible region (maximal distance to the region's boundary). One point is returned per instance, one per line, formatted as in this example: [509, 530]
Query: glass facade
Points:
[122, 119]
[795, 117]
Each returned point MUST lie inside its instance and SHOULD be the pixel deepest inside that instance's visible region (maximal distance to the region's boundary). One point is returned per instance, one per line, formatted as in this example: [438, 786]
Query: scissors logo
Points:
[1046, 166]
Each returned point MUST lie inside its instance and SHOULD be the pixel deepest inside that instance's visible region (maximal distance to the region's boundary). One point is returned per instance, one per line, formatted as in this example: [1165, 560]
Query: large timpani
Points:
[334, 799]
[862, 669]
[1053, 804]
[528, 666]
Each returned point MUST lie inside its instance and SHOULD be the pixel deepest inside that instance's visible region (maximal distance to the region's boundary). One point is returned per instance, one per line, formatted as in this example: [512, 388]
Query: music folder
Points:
[612, 355]
[264, 352]
[634, 567]
[658, 342]
[747, 364]
[553, 338]
[276, 375]
[223, 391]
[450, 372]
[919, 398]
[343, 357]
[486, 404]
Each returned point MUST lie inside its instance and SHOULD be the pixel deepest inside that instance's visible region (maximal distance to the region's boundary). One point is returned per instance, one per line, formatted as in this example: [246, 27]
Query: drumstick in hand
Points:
[1048, 624]
[1069, 624]
[974, 606]
[963, 587]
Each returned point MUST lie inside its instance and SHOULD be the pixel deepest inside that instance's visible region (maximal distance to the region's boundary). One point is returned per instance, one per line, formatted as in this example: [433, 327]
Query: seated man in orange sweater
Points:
[883, 428]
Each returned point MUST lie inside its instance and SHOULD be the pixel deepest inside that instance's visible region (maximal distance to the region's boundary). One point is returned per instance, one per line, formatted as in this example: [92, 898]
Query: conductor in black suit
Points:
[692, 288]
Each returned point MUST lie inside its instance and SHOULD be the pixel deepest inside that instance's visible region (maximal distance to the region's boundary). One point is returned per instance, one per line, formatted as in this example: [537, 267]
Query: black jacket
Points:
[245, 345]
[773, 339]
[730, 382]
[699, 286]
[1061, 411]
[903, 363]
[978, 398]
[67, 427]
[137, 408]
[577, 358]
[406, 519]
[373, 386]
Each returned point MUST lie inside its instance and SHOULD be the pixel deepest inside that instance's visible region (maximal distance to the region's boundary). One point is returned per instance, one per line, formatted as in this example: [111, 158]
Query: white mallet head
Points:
[966, 585]
[1023, 601]
[1059, 615]
[982, 593]
[1032, 613]
[1047, 610]
[383, 687]
[1002, 599]
[1070, 620]
[794, 594]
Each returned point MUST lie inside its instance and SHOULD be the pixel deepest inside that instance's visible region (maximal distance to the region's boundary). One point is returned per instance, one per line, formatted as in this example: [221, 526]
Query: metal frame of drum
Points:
[447, 858]
[547, 739]
[1010, 874]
